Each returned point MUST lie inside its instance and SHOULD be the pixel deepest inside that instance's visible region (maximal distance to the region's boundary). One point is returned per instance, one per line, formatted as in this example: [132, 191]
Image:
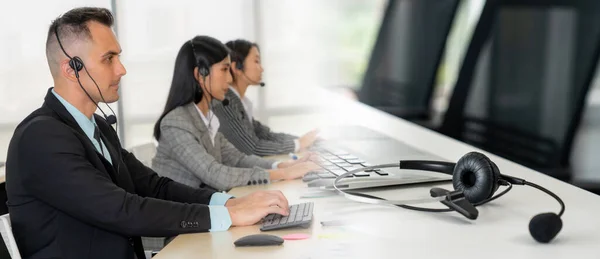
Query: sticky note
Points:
[299, 236]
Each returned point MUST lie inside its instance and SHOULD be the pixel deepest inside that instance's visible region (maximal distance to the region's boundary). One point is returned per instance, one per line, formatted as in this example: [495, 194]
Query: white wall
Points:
[306, 43]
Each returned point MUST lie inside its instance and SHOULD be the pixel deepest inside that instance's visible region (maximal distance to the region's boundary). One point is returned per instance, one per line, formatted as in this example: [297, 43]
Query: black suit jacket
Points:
[67, 201]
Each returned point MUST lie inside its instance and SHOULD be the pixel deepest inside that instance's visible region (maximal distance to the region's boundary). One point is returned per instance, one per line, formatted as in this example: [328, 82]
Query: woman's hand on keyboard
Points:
[298, 170]
[308, 139]
[309, 156]
[250, 209]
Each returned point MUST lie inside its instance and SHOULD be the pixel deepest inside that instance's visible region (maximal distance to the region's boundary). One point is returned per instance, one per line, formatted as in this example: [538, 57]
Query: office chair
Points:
[401, 73]
[524, 79]
[8, 237]
[144, 152]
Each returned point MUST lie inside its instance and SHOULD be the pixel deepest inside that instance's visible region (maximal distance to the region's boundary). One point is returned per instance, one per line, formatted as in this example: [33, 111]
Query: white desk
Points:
[501, 230]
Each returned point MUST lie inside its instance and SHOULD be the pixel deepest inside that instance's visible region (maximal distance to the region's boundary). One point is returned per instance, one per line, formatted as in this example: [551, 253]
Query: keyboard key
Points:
[318, 171]
[367, 165]
[337, 172]
[307, 210]
[293, 210]
[330, 157]
[362, 174]
[283, 220]
[292, 217]
[299, 213]
[355, 161]
[348, 157]
[326, 175]
[325, 163]
[350, 168]
[381, 172]
[337, 161]
[344, 164]
[307, 217]
[268, 223]
[339, 152]
[269, 217]
[301, 208]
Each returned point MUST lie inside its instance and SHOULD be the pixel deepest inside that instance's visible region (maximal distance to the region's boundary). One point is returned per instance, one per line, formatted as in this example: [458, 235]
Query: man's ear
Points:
[67, 71]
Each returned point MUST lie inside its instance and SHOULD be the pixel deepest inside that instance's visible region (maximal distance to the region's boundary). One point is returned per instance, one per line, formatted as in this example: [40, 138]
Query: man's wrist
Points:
[231, 202]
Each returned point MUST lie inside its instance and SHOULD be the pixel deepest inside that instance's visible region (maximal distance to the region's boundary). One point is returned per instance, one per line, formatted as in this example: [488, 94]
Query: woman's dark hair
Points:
[239, 51]
[203, 51]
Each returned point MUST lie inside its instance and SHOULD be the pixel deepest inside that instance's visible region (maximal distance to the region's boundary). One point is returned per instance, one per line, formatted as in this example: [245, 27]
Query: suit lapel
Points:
[195, 118]
[114, 169]
[238, 108]
[55, 105]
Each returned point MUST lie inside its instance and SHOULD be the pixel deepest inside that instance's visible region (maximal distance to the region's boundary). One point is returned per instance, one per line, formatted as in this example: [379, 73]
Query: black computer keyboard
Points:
[300, 216]
[335, 162]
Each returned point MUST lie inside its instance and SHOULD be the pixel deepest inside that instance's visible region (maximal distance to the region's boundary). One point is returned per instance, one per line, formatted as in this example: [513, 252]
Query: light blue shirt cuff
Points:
[219, 218]
[219, 198]
[275, 165]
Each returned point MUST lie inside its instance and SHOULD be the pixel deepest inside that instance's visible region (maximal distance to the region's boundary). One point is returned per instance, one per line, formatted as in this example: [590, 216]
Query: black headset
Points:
[77, 64]
[203, 71]
[239, 64]
[475, 179]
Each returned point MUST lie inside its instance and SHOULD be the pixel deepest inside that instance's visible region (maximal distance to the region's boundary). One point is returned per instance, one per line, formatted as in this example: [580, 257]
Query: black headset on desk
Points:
[475, 179]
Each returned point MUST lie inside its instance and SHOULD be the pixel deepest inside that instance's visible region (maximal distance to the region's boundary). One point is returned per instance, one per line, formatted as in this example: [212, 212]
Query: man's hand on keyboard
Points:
[250, 209]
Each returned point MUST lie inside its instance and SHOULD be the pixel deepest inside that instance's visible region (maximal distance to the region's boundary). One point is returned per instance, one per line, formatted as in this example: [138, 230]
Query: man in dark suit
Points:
[73, 192]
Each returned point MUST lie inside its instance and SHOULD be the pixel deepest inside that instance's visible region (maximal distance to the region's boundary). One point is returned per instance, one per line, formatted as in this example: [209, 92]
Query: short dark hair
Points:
[74, 25]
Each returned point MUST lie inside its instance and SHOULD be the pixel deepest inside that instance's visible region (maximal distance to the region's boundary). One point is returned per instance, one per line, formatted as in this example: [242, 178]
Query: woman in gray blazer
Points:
[237, 122]
[190, 148]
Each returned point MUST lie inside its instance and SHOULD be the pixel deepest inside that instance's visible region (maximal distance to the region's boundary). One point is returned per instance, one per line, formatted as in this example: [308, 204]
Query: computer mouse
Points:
[259, 240]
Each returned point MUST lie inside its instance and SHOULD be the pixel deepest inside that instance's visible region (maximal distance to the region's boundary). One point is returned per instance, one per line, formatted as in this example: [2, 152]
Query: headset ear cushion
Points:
[496, 177]
[474, 175]
[203, 71]
[76, 64]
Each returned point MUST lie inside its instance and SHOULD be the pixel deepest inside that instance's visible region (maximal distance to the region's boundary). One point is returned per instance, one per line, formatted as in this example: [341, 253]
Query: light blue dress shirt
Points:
[219, 215]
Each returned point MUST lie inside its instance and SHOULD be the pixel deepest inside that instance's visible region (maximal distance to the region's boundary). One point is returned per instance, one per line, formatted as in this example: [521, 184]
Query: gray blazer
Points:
[186, 154]
[252, 138]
